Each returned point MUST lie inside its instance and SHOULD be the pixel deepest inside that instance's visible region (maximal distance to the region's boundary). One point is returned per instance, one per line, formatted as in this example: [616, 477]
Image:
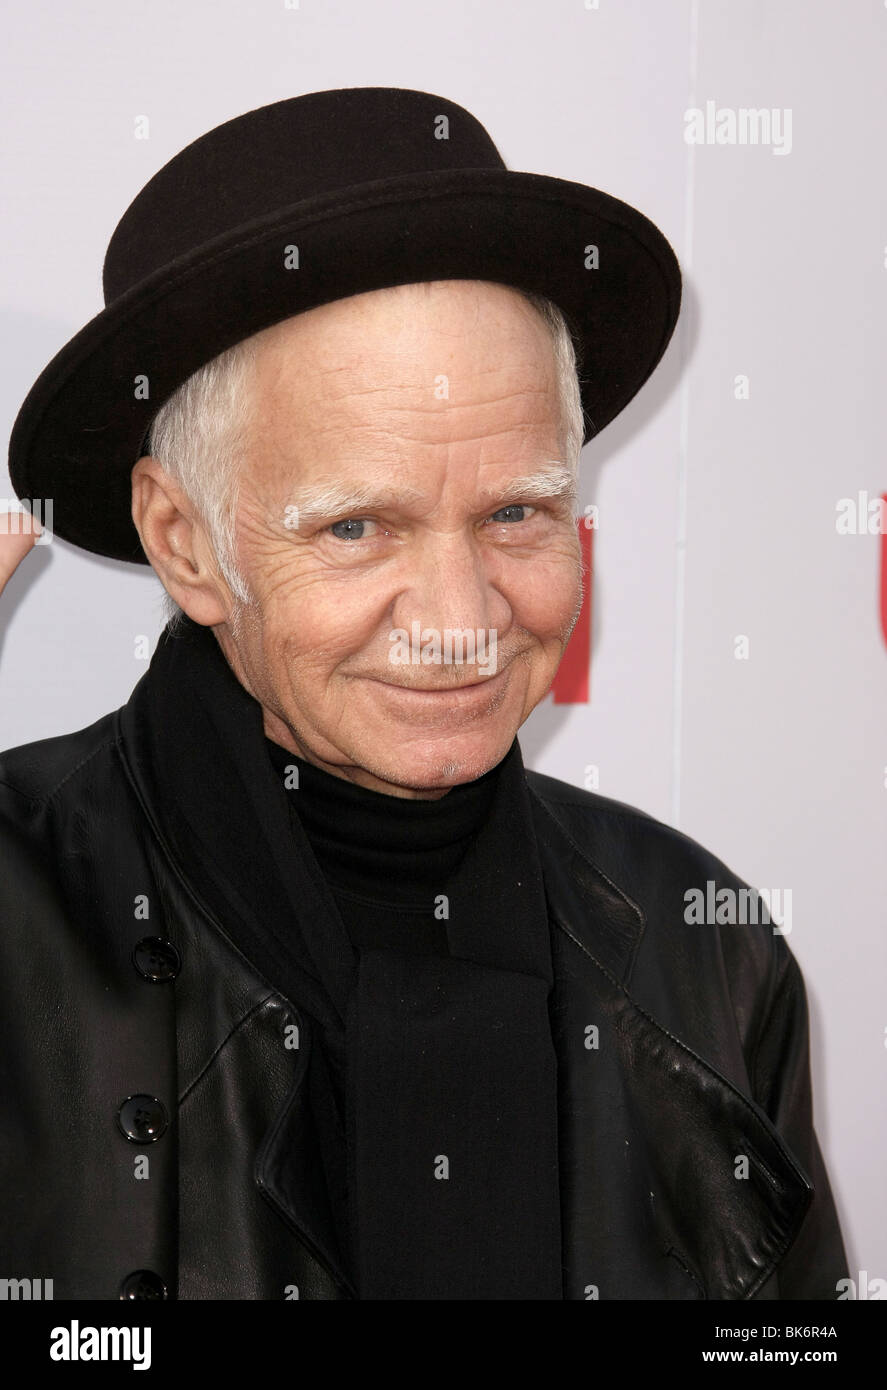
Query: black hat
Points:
[304, 202]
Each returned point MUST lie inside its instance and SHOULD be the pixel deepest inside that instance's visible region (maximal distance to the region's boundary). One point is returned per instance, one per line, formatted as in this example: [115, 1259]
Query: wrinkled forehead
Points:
[448, 344]
[468, 368]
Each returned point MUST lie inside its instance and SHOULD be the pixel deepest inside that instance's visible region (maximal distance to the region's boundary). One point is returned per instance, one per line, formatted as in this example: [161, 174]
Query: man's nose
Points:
[452, 585]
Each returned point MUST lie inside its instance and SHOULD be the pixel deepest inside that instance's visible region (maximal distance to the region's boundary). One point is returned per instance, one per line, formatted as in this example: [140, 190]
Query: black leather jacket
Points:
[689, 1164]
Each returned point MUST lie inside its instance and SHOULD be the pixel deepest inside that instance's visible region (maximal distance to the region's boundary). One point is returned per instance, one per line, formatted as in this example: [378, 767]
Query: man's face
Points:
[430, 402]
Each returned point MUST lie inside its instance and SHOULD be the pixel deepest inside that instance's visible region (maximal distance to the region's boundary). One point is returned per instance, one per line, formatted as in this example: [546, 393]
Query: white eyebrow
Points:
[338, 499]
[554, 481]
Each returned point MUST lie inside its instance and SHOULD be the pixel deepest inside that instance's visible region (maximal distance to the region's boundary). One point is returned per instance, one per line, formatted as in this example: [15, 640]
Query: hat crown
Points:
[287, 153]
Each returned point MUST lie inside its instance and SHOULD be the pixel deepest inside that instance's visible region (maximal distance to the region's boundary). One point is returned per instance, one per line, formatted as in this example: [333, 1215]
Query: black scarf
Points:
[434, 1081]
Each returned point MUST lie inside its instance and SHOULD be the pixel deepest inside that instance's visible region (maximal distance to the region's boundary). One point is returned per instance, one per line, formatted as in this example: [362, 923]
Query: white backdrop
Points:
[717, 489]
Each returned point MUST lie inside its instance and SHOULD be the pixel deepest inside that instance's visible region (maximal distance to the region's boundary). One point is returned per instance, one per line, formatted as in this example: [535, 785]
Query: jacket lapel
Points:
[655, 1201]
[300, 1165]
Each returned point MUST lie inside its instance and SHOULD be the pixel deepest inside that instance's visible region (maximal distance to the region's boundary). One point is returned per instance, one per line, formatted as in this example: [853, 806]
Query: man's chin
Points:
[429, 741]
[433, 766]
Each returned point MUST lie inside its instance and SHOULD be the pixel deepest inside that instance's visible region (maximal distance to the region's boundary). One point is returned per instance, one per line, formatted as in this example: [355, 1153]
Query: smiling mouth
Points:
[478, 695]
[443, 689]
[440, 689]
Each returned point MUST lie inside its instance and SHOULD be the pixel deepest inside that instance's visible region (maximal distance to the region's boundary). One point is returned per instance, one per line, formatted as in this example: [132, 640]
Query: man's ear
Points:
[175, 541]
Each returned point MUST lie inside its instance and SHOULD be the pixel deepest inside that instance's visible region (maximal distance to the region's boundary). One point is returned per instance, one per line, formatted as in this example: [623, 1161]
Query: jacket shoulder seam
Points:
[607, 806]
[47, 796]
[578, 799]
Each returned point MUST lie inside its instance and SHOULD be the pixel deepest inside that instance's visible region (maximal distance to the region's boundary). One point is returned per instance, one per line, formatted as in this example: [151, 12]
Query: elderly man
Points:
[310, 990]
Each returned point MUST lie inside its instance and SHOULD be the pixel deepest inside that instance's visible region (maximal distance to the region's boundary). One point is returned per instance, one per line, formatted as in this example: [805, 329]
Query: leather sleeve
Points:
[816, 1261]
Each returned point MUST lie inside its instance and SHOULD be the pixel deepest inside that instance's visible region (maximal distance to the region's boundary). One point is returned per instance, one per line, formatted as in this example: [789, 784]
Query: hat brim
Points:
[81, 428]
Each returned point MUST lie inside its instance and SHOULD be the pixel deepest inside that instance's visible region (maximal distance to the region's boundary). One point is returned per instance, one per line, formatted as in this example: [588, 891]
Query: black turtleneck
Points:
[386, 858]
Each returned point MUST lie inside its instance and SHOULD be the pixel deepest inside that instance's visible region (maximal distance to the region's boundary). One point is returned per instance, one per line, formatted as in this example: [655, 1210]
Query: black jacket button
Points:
[143, 1283]
[142, 1119]
[156, 959]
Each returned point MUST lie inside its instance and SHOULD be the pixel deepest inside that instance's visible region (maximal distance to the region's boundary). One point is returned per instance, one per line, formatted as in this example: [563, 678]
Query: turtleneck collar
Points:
[380, 846]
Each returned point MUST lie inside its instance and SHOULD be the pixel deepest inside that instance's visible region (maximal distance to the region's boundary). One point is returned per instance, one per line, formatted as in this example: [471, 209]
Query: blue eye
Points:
[507, 513]
[352, 529]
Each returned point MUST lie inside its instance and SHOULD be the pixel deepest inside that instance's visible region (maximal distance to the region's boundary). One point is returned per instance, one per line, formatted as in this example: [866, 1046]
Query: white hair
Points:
[200, 434]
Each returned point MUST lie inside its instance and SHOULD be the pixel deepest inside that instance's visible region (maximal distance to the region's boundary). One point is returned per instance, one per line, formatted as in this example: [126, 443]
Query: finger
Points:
[14, 546]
